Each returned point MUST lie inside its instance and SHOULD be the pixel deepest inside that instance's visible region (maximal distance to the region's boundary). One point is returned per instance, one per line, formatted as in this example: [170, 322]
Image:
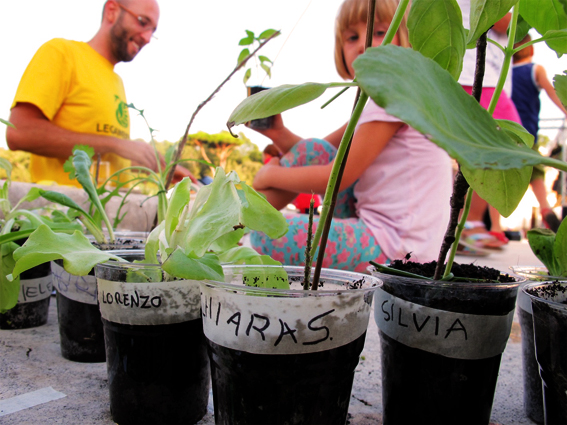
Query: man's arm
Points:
[34, 133]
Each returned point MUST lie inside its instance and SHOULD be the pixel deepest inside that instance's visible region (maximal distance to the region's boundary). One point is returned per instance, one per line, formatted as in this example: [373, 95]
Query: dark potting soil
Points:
[533, 395]
[470, 271]
[80, 329]
[31, 314]
[157, 374]
[262, 389]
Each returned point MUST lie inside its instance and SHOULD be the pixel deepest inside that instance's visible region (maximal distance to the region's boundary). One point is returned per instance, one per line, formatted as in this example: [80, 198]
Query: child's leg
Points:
[350, 246]
[320, 152]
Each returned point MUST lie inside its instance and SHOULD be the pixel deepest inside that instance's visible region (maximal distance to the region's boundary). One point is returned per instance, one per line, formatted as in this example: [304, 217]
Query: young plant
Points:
[191, 243]
[16, 225]
[493, 154]
[253, 42]
[551, 248]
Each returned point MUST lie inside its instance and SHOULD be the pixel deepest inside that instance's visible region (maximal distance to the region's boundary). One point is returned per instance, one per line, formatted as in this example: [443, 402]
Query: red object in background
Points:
[303, 200]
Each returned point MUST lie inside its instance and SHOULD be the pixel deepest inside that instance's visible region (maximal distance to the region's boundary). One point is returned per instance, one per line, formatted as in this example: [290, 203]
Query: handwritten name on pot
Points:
[282, 325]
[77, 288]
[35, 289]
[455, 335]
[158, 303]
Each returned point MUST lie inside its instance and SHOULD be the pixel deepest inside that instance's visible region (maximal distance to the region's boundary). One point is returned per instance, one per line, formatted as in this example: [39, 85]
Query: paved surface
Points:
[30, 360]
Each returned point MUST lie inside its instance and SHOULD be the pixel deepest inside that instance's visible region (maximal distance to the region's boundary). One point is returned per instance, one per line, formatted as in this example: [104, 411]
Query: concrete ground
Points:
[30, 360]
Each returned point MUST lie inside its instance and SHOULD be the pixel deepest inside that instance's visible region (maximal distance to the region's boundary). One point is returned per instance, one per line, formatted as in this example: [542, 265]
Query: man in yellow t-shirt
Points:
[70, 95]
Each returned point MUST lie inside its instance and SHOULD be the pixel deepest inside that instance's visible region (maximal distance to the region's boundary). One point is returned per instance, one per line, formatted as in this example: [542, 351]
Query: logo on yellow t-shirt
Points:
[122, 112]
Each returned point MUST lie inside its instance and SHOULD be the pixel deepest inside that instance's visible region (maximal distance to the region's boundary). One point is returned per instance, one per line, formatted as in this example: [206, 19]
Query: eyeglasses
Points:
[144, 21]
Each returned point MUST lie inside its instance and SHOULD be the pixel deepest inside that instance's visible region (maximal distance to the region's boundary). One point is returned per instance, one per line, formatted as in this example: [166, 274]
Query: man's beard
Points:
[119, 38]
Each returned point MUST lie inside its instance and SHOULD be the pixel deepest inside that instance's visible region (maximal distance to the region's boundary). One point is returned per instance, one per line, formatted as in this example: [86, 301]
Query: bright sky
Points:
[196, 49]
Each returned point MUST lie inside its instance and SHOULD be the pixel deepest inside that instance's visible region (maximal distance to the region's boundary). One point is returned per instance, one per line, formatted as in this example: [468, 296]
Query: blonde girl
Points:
[394, 179]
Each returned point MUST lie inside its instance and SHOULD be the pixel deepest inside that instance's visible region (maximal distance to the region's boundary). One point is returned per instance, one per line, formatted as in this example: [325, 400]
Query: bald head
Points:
[127, 26]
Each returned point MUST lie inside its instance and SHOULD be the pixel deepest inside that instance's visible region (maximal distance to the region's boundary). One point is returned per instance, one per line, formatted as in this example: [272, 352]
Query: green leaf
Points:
[6, 166]
[78, 254]
[436, 31]
[184, 267]
[484, 14]
[542, 242]
[560, 85]
[243, 55]
[517, 132]
[544, 16]
[259, 214]
[227, 241]
[275, 101]
[247, 75]
[560, 249]
[427, 97]
[264, 59]
[503, 189]
[151, 248]
[266, 69]
[557, 40]
[178, 201]
[62, 199]
[8, 123]
[522, 29]
[249, 39]
[266, 277]
[267, 34]
[9, 290]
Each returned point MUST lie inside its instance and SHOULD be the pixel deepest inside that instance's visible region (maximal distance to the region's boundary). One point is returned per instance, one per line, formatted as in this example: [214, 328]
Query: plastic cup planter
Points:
[33, 300]
[156, 356]
[533, 393]
[284, 356]
[549, 307]
[80, 326]
[441, 345]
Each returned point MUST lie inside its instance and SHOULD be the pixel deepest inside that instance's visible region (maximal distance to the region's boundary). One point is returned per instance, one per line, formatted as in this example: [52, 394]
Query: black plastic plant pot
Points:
[33, 300]
[284, 356]
[533, 393]
[156, 355]
[80, 324]
[549, 308]
[262, 123]
[441, 345]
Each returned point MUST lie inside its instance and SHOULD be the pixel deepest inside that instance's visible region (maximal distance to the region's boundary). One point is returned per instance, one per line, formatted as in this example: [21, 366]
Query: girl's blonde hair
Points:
[351, 13]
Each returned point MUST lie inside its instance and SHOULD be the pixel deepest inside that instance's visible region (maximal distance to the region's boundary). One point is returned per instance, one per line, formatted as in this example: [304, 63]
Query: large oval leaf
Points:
[436, 31]
[275, 101]
[544, 16]
[560, 84]
[503, 189]
[557, 40]
[427, 97]
[484, 14]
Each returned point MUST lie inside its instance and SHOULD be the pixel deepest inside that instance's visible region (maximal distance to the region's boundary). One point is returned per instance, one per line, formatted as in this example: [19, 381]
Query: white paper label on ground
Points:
[455, 335]
[155, 303]
[77, 288]
[24, 401]
[37, 289]
[278, 325]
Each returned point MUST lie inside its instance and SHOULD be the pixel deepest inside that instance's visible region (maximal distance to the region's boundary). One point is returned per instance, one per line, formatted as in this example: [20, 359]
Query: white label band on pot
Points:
[77, 288]
[283, 325]
[454, 335]
[32, 290]
[155, 303]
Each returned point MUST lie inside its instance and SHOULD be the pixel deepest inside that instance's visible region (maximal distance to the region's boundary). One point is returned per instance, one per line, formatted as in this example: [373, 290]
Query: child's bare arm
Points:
[544, 83]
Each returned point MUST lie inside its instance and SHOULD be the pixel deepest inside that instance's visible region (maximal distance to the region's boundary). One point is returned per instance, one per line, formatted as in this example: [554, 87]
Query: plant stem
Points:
[458, 233]
[183, 140]
[308, 257]
[460, 184]
[508, 52]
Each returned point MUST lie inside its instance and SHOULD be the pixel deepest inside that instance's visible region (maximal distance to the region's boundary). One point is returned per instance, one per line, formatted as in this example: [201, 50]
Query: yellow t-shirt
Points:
[76, 89]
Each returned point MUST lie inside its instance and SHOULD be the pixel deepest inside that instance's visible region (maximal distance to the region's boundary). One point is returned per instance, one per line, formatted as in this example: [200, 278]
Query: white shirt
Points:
[403, 196]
